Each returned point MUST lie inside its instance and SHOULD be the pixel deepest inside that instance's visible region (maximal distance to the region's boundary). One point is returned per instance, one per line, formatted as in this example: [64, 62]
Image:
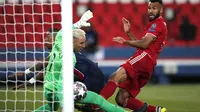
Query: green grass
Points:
[176, 98]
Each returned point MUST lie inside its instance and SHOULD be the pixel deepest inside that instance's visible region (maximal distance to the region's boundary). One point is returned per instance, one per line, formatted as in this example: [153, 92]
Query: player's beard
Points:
[155, 17]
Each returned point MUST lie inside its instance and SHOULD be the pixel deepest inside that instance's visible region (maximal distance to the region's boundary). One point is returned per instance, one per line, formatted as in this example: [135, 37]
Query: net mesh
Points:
[23, 27]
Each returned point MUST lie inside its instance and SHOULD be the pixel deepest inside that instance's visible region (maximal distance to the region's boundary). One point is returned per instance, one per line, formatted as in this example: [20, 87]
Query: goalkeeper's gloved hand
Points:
[83, 21]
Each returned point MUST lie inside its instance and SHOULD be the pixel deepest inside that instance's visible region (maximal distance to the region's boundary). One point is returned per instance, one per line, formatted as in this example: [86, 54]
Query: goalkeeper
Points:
[91, 97]
[53, 69]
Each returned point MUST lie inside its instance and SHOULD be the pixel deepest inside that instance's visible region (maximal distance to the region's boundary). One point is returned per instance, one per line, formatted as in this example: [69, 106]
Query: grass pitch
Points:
[176, 98]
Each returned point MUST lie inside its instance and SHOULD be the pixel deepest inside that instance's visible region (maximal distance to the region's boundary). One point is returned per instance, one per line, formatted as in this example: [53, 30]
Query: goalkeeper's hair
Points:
[78, 33]
[159, 1]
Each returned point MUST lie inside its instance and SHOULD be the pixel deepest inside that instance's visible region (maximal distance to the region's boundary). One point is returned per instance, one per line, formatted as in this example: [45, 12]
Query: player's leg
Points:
[139, 106]
[125, 99]
[96, 99]
[114, 79]
[53, 102]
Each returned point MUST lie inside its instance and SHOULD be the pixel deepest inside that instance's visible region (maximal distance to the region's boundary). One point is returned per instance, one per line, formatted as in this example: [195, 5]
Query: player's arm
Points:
[127, 29]
[143, 43]
[131, 36]
[40, 66]
[38, 77]
[78, 75]
[37, 67]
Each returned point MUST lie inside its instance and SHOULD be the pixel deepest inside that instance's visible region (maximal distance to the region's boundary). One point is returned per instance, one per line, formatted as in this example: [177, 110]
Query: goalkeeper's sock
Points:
[108, 89]
[101, 102]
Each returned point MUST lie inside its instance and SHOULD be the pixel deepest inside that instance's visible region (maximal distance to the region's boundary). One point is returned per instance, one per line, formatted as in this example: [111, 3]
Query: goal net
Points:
[24, 28]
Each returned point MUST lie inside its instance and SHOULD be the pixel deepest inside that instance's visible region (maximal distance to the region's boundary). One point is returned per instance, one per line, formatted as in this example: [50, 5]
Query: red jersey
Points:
[158, 28]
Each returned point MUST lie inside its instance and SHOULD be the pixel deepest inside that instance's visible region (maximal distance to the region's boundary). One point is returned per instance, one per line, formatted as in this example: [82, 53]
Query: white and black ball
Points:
[80, 91]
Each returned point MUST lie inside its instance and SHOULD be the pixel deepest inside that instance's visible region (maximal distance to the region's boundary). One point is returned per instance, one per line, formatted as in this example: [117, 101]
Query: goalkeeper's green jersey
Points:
[54, 68]
[53, 74]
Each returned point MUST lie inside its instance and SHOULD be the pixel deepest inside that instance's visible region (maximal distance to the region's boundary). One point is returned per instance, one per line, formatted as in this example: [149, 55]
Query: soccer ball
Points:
[80, 91]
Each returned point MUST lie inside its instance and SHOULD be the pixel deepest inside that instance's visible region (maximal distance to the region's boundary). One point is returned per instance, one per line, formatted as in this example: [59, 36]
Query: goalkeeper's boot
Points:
[161, 109]
[87, 108]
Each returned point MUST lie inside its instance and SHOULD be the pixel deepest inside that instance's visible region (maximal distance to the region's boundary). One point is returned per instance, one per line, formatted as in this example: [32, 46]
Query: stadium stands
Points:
[107, 17]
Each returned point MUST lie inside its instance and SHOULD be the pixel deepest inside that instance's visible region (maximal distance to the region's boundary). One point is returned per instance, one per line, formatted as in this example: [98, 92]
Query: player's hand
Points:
[18, 86]
[16, 74]
[127, 25]
[120, 40]
[83, 22]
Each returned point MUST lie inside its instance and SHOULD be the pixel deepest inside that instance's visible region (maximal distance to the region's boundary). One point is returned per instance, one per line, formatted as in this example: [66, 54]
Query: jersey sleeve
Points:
[78, 75]
[59, 34]
[74, 60]
[156, 28]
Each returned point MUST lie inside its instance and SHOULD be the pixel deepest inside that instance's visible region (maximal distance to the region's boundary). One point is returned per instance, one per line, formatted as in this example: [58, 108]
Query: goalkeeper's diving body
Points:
[91, 97]
[53, 76]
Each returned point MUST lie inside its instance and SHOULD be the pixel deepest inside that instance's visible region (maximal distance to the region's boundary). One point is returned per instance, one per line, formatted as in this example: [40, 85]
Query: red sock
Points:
[134, 104]
[151, 108]
[108, 89]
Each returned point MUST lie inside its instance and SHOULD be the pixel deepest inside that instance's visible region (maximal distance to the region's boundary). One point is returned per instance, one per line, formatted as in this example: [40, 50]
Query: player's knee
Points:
[119, 101]
[113, 77]
[121, 97]
[118, 76]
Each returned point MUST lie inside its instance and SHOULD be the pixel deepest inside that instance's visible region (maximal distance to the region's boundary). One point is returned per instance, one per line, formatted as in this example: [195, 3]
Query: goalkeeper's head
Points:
[78, 40]
[50, 37]
[155, 9]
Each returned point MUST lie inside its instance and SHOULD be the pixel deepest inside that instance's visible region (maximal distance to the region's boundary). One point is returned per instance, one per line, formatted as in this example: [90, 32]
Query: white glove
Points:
[32, 80]
[83, 21]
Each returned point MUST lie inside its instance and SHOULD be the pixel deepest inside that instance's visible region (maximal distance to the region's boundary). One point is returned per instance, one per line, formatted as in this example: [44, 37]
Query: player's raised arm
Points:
[127, 29]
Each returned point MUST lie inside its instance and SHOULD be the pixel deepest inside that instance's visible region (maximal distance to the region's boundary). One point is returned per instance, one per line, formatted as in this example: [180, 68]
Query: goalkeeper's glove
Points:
[83, 21]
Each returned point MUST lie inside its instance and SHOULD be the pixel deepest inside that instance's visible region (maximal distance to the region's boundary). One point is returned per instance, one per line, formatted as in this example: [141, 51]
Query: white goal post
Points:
[23, 28]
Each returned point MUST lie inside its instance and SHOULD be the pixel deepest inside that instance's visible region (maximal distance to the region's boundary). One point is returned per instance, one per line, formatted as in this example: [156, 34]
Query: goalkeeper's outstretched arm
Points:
[83, 22]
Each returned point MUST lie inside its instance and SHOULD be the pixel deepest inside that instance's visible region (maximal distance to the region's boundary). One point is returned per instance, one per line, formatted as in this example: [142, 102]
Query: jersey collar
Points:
[159, 18]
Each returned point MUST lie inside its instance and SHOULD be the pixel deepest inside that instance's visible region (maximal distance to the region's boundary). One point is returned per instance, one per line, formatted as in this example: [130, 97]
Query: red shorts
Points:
[138, 69]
